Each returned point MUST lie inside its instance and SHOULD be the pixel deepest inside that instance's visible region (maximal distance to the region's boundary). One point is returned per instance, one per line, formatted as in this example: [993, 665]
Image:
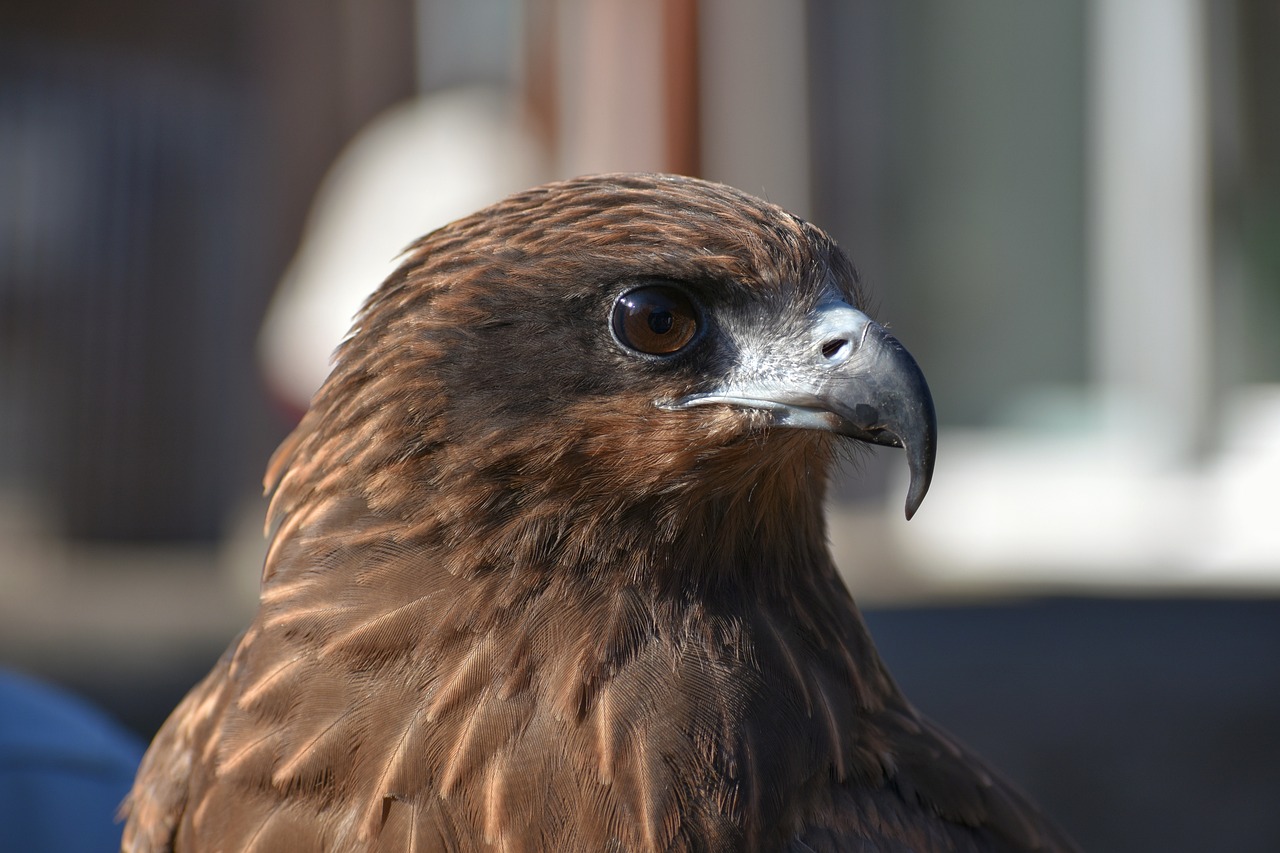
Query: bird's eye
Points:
[655, 320]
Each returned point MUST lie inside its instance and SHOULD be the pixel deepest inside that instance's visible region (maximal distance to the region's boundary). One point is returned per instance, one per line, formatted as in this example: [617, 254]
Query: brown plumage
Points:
[548, 569]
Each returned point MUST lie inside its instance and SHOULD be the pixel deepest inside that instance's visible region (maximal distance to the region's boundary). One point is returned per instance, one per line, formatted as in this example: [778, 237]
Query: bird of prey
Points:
[548, 569]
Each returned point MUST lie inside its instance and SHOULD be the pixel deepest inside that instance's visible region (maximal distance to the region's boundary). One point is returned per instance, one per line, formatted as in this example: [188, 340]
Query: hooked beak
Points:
[852, 378]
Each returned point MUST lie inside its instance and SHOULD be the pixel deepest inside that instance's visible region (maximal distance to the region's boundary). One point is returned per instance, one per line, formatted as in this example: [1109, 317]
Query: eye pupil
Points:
[655, 320]
[661, 322]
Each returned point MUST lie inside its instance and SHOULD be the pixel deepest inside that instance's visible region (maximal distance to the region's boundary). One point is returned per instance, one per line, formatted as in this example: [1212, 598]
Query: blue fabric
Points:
[64, 769]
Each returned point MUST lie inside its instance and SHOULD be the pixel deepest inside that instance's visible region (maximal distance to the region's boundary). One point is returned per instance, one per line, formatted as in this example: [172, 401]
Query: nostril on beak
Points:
[835, 349]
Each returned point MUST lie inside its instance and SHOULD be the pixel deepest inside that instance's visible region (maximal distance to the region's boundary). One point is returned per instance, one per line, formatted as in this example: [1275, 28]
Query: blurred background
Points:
[1068, 211]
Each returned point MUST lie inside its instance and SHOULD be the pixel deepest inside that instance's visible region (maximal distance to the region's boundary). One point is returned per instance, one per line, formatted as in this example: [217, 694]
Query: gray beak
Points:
[849, 377]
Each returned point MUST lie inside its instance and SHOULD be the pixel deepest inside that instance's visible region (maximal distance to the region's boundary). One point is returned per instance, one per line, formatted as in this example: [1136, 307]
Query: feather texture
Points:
[512, 603]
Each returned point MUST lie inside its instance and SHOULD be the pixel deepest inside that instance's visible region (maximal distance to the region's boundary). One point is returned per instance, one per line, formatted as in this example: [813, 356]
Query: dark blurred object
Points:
[155, 165]
[122, 280]
[64, 768]
[1138, 724]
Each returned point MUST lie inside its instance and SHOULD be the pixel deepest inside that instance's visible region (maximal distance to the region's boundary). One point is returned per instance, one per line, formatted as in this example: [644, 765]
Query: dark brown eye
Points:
[655, 320]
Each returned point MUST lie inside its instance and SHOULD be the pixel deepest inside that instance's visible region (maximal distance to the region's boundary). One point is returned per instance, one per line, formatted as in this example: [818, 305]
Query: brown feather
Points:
[512, 604]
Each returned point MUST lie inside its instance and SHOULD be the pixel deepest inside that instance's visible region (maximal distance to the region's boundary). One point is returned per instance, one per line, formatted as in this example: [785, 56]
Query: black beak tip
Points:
[921, 452]
[916, 421]
[915, 494]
